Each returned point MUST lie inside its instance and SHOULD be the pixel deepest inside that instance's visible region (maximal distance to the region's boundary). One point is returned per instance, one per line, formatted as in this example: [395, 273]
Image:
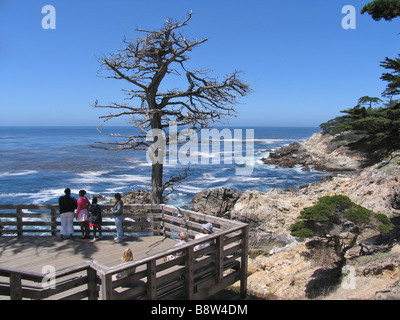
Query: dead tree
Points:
[146, 63]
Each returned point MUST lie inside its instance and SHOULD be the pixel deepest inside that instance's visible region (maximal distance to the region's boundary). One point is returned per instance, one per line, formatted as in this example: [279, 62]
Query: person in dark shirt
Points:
[67, 206]
[95, 219]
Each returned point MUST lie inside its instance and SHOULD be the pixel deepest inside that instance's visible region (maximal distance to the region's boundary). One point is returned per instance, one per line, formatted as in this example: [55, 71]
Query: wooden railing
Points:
[66, 284]
[191, 275]
[44, 219]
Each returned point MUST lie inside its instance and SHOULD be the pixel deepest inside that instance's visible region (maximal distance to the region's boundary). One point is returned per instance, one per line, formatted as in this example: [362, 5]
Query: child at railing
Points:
[95, 219]
[127, 256]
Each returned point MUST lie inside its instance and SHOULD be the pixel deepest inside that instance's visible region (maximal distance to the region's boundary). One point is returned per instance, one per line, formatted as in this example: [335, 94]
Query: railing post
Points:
[15, 286]
[151, 280]
[92, 285]
[162, 227]
[244, 262]
[106, 287]
[19, 222]
[53, 222]
[155, 230]
[189, 274]
[219, 272]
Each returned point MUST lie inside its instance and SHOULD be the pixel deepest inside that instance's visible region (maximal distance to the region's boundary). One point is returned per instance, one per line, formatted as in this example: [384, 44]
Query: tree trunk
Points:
[157, 168]
[157, 183]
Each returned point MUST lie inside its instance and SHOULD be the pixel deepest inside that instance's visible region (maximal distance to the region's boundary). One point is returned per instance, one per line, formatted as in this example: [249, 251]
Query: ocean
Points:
[38, 163]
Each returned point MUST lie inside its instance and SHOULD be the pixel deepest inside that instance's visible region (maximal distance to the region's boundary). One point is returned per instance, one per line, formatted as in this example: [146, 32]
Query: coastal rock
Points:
[320, 152]
[136, 197]
[373, 277]
[281, 269]
[216, 202]
[273, 211]
[377, 187]
[269, 242]
[300, 273]
[283, 275]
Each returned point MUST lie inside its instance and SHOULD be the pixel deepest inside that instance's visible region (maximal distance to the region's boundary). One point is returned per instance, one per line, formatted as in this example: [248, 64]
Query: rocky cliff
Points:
[216, 202]
[376, 188]
[286, 268]
[321, 151]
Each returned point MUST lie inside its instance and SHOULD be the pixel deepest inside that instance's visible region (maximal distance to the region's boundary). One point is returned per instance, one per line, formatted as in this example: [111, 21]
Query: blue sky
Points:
[302, 65]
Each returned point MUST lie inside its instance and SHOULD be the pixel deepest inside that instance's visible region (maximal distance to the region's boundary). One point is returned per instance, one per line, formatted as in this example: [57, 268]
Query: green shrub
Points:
[332, 215]
[384, 228]
[336, 202]
[299, 229]
[386, 225]
[359, 214]
[382, 218]
[319, 212]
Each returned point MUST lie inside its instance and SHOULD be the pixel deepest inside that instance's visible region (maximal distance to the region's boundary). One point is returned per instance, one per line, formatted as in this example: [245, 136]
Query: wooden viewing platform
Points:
[36, 264]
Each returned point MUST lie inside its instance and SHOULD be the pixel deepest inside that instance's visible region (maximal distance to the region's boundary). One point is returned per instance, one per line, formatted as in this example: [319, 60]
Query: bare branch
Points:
[172, 182]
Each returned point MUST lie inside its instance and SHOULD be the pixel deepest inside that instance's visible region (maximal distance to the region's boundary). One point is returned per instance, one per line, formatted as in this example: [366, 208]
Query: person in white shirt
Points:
[183, 236]
[207, 229]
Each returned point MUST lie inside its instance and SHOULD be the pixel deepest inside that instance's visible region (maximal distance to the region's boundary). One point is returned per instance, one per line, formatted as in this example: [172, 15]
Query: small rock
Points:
[216, 202]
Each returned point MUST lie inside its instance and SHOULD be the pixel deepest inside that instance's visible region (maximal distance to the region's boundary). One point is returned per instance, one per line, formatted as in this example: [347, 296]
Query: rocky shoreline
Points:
[321, 152]
[283, 267]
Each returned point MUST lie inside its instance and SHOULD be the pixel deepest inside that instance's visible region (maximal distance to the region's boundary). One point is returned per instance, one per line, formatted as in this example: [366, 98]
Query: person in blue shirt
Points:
[117, 211]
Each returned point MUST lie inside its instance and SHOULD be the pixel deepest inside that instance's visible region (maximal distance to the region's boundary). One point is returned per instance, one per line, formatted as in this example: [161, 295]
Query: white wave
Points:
[238, 178]
[16, 174]
[259, 162]
[14, 195]
[204, 154]
[85, 178]
[267, 140]
[138, 162]
[144, 164]
[189, 189]
[38, 197]
[132, 160]
[298, 168]
[113, 190]
[207, 177]
[87, 174]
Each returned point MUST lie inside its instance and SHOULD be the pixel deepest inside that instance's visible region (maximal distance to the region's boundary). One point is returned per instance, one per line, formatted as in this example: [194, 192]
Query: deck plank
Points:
[32, 253]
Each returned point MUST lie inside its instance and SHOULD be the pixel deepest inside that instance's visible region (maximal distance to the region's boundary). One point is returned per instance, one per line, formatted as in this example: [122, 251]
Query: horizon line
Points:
[128, 126]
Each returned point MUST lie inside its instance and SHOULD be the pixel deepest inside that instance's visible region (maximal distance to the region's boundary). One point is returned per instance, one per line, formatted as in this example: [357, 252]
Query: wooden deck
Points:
[84, 269]
[31, 254]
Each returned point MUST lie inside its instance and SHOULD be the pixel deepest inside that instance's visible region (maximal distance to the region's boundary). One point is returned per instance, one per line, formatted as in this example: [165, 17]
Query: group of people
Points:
[89, 215]
[206, 229]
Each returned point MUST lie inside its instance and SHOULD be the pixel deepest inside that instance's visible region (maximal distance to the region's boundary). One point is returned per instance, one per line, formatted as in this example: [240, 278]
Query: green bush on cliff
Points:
[358, 214]
[386, 225]
[339, 220]
[299, 229]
